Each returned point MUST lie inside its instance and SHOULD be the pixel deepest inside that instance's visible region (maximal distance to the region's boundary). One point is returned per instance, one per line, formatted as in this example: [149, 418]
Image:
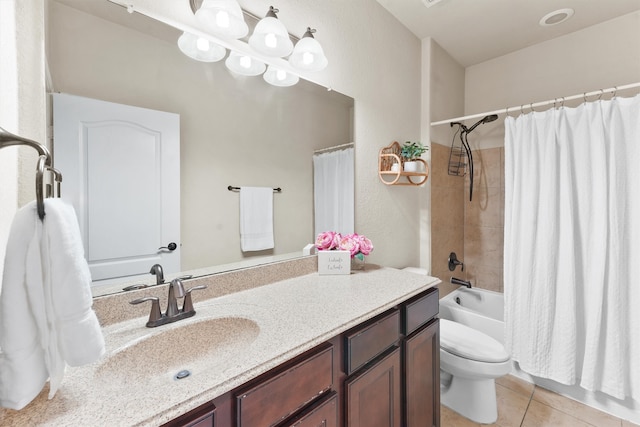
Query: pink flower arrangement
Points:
[357, 244]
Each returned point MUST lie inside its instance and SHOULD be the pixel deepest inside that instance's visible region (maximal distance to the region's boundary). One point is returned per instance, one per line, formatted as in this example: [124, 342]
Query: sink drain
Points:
[182, 374]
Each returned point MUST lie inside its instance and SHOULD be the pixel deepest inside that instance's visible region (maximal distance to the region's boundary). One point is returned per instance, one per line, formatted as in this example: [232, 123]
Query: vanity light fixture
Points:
[270, 37]
[277, 77]
[244, 64]
[199, 48]
[308, 54]
[223, 17]
[270, 41]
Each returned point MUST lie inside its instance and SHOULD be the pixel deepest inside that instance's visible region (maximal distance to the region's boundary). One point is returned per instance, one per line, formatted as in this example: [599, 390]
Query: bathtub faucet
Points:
[460, 282]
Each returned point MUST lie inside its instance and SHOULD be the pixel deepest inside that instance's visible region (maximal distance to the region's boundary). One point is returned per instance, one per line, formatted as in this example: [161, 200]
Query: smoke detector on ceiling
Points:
[430, 3]
[554, 18]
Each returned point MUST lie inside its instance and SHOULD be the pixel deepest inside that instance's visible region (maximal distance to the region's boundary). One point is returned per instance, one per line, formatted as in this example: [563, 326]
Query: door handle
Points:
[171, 247]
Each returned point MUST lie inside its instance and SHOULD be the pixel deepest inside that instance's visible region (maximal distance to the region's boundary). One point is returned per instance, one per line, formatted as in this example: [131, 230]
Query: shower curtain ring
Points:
[531, 106]
[601, 93]
[615, 91]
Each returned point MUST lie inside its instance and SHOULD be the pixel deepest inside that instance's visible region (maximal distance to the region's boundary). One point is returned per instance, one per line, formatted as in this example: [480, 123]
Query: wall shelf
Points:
[391, 165]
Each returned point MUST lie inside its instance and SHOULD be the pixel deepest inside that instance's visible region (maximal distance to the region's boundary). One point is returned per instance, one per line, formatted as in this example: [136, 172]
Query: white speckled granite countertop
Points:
[257, 330]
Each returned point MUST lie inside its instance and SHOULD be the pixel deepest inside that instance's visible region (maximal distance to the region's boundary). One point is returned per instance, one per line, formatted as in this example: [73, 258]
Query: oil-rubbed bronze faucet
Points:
[173, 314]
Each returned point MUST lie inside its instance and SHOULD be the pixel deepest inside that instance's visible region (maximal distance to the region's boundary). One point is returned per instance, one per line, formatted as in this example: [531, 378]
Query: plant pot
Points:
[412, 166]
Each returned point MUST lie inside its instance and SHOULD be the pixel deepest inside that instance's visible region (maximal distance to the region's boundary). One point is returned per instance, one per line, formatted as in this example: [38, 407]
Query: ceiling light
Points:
[270, 37]
[200, 49]
[244, 65]
[278, 77]
[308, 54]
[556, 17]
[223, 17]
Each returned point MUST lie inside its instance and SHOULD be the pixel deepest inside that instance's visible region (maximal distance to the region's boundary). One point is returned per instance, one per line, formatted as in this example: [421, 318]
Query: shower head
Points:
[485, 119]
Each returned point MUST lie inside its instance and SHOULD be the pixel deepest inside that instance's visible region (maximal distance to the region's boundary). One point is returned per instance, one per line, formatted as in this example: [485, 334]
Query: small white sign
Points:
[334, 262]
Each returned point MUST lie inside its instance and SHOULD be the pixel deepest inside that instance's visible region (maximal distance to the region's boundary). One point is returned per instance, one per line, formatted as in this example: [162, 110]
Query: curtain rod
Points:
[337, 147]
[540, 104]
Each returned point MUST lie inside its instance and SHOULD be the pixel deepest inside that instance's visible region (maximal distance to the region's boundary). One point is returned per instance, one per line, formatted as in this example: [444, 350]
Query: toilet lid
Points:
[463, 341]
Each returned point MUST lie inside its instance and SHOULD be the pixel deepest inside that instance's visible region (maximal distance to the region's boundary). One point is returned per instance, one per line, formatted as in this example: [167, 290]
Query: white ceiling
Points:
[473, 31]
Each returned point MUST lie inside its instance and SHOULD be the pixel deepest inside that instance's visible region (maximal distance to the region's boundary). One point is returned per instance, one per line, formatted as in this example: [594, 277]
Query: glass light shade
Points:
[200, 49]
[271, 38]
[308, 55]
[223, 18]
[277, 77]
[244, 65]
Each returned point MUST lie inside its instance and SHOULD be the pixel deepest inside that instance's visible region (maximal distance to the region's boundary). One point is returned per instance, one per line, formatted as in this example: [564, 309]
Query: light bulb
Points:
[222, 19]
[270, 40]
[202, 44]
[307, 58]
[281, 75]
[245, 62]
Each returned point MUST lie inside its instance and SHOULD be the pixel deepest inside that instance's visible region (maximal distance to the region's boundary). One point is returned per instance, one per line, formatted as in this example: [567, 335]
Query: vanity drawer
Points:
[275, 398]
[322, 413]
[364, 343]
[419, 310]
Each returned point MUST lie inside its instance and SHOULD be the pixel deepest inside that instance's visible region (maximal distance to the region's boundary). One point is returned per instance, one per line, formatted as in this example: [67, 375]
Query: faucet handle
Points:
[155, 314]
[188, 303]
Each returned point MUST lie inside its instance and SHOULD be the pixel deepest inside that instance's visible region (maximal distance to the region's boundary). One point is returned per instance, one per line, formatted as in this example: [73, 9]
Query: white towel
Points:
[46, 299]
[256, 218]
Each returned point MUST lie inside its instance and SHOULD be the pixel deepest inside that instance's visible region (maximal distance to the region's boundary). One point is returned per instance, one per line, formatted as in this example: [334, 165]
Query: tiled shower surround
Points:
[472, 229]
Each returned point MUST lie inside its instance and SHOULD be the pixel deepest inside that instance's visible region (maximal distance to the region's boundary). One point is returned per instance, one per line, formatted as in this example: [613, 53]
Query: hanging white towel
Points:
[256, 218]
[46, 320]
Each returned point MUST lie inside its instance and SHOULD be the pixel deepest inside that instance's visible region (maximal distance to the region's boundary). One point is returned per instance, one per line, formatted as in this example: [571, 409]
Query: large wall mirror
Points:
[234, 131]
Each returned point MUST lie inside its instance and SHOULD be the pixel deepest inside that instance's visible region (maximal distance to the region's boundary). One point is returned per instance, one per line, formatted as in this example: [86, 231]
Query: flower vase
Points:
[357, 264]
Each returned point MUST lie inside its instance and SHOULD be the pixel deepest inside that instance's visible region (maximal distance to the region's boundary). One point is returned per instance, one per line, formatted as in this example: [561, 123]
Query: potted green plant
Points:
[410, 152]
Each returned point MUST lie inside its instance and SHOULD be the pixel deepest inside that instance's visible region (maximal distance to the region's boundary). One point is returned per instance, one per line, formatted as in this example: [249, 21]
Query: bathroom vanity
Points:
[356, 350]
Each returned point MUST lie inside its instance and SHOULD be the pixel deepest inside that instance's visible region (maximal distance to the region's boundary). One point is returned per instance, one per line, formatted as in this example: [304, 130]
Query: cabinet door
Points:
[373, 395]
[422, 370]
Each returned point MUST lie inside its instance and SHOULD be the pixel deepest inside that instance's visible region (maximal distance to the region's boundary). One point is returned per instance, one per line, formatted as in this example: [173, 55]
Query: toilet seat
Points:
[463, 341]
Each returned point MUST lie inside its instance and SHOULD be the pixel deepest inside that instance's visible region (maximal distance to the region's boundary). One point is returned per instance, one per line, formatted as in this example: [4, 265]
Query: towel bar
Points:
[231, 188]
[8, 139]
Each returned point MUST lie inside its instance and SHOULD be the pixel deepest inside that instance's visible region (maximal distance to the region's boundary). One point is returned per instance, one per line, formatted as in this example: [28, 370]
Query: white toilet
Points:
[470, 361]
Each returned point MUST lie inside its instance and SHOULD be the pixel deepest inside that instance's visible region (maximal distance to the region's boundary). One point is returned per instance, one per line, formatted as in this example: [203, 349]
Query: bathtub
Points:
[479, 309]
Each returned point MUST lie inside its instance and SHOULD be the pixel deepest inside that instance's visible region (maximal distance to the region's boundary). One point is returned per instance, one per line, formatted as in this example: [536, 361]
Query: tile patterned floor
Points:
[521, 404]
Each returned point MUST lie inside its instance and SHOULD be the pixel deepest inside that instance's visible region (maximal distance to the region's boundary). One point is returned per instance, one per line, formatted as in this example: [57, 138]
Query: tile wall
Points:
[472, 229]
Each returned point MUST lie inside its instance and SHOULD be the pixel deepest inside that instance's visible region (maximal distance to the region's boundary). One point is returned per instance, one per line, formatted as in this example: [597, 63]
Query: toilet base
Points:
[473, 399]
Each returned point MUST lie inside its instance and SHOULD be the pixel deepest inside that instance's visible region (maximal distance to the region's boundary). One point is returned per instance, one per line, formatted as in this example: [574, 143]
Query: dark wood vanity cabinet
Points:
[384, 372]
[393, 365]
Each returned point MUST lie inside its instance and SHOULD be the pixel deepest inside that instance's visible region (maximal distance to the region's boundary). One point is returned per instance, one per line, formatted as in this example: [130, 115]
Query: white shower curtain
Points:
[572, 245]
[333, 187]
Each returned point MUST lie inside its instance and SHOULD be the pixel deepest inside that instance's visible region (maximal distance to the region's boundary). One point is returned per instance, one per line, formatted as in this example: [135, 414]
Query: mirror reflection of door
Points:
[122, 174]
